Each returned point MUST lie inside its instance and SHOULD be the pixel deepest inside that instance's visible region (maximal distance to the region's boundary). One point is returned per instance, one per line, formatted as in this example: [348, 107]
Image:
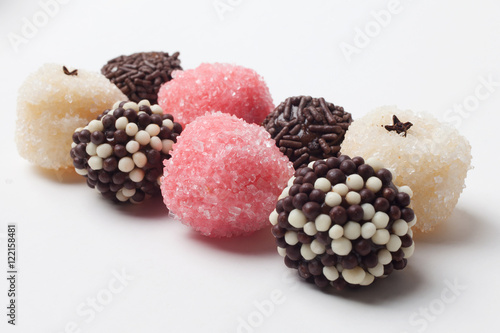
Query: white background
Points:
[429, 55]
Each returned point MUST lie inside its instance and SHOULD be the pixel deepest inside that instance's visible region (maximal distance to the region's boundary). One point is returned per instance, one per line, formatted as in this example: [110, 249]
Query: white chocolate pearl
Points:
[311, 164]
[131, 129]
[408, 251]
[323, 222]
[73, 145]
[384, 256]
[406, 189]
[91, 149]
[374, 184]
[167, 146]
[132, 146]
[380, 219]
[121, 197]
[126, 164]
[136, 175]
[354, 182]
[116, 105]
[168, 123]
[128, 192]
[104, 150]
[144, 102]
[273, 217]
[156, 109]
[367, 280]
[310, 228]
[142, 137]
[281, 251]
[95, 125]
[131, 105]
[296, 218]
[368, 211]
[355, 275]
[341, 189]
[353, 198]
[412, 222]
[374, 163]
[140, 159]
[331, 273]
[400, 227]
[95, 162]
[394, 243]
[339, 267]
[306, 252]
[323, 184]
[341, 246]
[381, 237]
[291, 238]
[290, 181]
[82, 172]
[352, 230]
[410, 233]
[336, 232]
[284, 193]
[121, 123]
[368, 229]
[153, 129]
[317, 247]
[156, 143]
[393, 173]
[377, 270]
[333, 199]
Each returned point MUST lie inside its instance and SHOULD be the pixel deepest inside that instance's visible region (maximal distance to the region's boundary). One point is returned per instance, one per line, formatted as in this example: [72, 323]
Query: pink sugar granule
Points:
[216, 87]
[224, 176]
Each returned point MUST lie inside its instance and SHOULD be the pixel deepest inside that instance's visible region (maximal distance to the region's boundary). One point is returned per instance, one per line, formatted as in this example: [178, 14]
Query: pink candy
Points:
[224, 176]
[216, 87]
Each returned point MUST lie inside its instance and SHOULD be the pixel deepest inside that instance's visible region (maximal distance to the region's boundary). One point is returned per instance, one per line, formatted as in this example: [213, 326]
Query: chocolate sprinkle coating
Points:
[121, 153]
[307, 129]
[140, 75]
[342, 224]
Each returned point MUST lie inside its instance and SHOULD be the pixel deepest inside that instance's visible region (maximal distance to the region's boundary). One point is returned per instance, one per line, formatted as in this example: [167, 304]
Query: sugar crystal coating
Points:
[224, 176]
[433, 158]
[221, 87]
[51, 104]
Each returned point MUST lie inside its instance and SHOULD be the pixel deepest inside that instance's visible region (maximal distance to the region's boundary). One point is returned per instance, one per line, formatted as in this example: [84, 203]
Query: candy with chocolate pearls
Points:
[307, 129]
[121, 152]
[341, 222]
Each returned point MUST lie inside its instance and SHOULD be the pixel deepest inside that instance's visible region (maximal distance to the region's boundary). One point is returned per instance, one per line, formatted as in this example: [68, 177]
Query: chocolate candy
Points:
[342, 223]
[140, 75]
[121, 153]
[307, 129]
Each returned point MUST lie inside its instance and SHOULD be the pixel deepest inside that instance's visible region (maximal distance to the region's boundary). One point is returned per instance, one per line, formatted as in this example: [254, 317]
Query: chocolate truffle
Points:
[121, 153]
[342, 224]
[140, 75]
[307, 129]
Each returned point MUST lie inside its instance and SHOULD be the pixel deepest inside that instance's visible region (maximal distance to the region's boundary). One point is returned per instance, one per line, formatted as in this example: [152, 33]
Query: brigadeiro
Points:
[121, 153]
[140, 75]
[342, 223]
[307, 129]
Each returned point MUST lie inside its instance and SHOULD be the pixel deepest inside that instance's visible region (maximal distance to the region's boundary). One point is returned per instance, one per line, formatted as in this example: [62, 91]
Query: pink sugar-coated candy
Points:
[216, 87]
[224, 176]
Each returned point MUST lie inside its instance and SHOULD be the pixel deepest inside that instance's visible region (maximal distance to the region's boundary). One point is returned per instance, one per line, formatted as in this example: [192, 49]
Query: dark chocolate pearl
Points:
[79, 163]
[406, 241]
[164, 133]
[403, 199]
[299, 200]
[370, 260]
[389, 194]
[149, 188]
[362, 247]
[381, 205]
[75, 138]
[143, 120]
[139, 196]
[84, 136]
[167, 116]
[156, 119]
[177, 128]
[146, 109]
[294, 189]
[283, 220]
[394, 213]
[279, 206]
[388, 269]
[348, 167]
[358, 160]
[367, 196]
[323, 238]
[303, 272]
[72, 153]
[335, 176]
[317, 195]
[108, 122]
[277, 231]
[338, 214]
[80, 150]
[321, 281]
[311, 210]
[110, 134]
[291, 263]
[120, 150]
[153, 156]
[303, 238]
[332, 162]
[343, 158]
[399, 264]
[115, 187]
[315, 267]
[104, 177]
[110, 164]
[398, 255]
[92, 174]
[310, 177]
[129, 184]
[91, 183]
[328, 260]
[407, 214]
[97, 137]
[339, 284]
[366, 171]
[385, 176]
[120, 136]
[288, 204]
[130, 114]
[304, 171]
[355, 213]
[298, 180]
[118, 112]
[153, 174]
[119, 177]
[349, 261]
[306, 188]
[321, 170]
[103, 188]
[293, 252]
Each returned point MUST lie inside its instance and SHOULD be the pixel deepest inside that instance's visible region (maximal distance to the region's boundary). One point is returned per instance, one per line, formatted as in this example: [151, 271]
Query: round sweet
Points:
[51, 103]
[224, 176]
[307, 129]
[140, 75]
[227, 88]
[121, 153]
[334, 240]
[429, 156]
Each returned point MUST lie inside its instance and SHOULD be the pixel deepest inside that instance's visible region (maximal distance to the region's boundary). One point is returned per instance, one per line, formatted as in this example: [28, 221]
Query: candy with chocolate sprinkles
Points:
[140, 75]
[121, 153]
[341, 222]
[307, 129]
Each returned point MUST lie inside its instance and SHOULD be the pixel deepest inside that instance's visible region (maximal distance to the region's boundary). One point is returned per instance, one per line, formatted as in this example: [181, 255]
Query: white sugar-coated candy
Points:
[131, 129]
[317, 247]
[104, 150]
[273, 217]
[131, 105]
[82, 172]
[341, 189]
[136, 175]
[353, 198]
[142, 137]
[352, 230]
[408, 251]
[153, 129]
[281, 251]
[167, 146]
[128, 192]
[341, 246]
[367, 280]
[355, 275]
[394, 243]
[132, 146]
[400, 227]
[323, 222]
[121, 123]
[168, 123]
[333, 199]
[291, 237]
[368, 211]
[323, 184]
[306, 252]
[381, 237]
[126, 164]
[331, 273]
[377, 270]
[156, 109]
[374, 184]
[95, 125]
[354, 182]
[91, 149]
[368, 230]
[384, 256]
[310, 228]
[296, 218]
[95, 162]
[144, 102]
[380, 219]
[155, 143]
[140, 159]
[336, 232]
